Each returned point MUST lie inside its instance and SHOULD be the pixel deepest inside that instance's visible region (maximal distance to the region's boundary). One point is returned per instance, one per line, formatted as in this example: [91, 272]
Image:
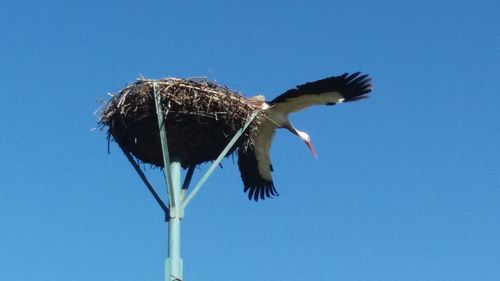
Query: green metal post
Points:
[173, 264]
[172, 170]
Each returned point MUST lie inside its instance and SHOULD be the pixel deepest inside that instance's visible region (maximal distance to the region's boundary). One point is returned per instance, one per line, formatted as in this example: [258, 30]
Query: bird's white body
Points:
[277, 117]
[255, 166]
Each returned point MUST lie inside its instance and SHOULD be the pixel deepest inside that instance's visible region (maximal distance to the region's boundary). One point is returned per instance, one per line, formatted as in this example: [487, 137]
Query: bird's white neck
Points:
[303, 135]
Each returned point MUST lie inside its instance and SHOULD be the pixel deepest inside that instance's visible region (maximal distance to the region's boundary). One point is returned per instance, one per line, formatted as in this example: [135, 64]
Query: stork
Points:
[254, 163]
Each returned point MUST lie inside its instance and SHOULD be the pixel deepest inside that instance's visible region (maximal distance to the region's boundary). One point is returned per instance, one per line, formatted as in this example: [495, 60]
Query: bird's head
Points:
[307, 139]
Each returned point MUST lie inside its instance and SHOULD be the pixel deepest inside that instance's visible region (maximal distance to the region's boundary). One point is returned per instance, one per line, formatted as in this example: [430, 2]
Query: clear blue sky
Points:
[406, 187]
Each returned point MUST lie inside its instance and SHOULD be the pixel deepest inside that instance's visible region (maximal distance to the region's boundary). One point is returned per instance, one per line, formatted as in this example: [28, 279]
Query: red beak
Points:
[309, 144]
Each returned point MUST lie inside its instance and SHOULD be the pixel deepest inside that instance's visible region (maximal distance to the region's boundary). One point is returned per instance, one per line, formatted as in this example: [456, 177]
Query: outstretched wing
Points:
[255, 165]
[328, 91]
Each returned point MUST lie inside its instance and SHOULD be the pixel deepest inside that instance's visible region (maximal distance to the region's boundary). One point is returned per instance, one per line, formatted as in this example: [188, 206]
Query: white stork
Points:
[254, 163]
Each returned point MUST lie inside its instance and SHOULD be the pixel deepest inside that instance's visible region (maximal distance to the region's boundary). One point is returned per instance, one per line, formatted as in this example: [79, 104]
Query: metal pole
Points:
[173, 264]
[172, 170]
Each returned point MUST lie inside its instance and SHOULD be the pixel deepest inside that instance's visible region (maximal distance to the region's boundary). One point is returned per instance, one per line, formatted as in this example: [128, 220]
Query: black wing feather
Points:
[256, 186]
[351, 86]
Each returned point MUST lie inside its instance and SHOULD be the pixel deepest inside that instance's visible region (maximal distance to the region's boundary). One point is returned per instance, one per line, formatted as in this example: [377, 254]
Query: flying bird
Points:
[254, 163]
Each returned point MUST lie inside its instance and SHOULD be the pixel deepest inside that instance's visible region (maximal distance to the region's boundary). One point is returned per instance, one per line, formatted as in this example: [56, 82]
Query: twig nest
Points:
[201, 118]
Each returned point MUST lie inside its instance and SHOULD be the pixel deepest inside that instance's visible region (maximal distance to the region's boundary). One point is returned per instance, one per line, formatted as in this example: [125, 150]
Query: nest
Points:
[201, 117]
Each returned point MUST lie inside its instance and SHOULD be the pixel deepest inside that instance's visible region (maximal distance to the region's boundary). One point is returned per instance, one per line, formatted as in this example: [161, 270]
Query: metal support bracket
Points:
[164, 144]
[223, 154]
[147, 183]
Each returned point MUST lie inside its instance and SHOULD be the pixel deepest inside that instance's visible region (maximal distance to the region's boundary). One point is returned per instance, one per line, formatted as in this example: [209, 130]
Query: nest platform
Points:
[201, 117]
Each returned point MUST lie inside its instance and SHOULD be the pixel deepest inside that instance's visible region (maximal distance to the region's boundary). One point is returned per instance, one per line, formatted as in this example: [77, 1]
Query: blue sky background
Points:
[406, 187]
